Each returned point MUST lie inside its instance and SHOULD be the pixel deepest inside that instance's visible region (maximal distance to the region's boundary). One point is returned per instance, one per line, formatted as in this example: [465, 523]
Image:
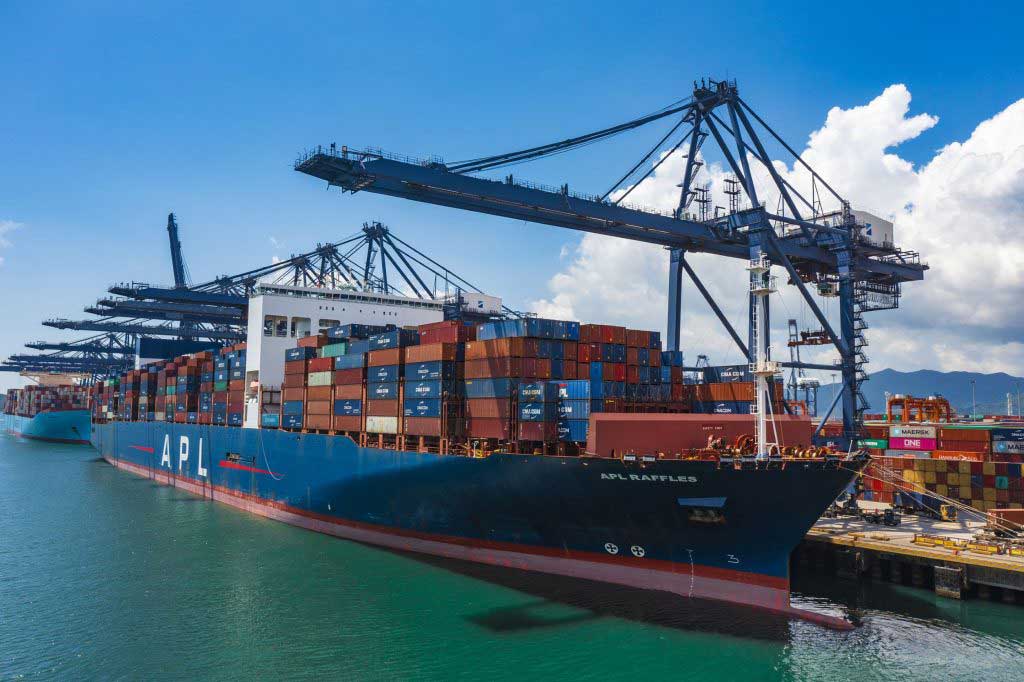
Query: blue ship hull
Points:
[64, 426]
[689, 527]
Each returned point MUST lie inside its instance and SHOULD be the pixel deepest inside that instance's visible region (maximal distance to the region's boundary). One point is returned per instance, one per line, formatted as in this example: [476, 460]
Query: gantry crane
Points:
[829, 251]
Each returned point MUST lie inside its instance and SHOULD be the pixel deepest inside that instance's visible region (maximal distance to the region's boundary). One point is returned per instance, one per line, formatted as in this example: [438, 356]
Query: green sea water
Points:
[105, 575]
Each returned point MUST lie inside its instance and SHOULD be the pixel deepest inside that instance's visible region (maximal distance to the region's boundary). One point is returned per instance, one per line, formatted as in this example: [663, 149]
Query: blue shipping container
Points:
[672, 358]
[573, 430]
[299, 353]
[382, 374]
[538, 392]
[490, 388]
[422, 407]
[270, 420]
[350, 361]
[574, 389]
[538, 412]
[430, 389]
[385, 391]
[291, 421]
[349, 408]
[289, 407]
[357, 331]
[235, 418]
[399, 338]
[578, 409]
[430, 371]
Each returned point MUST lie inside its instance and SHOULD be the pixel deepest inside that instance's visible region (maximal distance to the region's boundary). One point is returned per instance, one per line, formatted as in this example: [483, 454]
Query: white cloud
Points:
[962, 210]
[6, 226]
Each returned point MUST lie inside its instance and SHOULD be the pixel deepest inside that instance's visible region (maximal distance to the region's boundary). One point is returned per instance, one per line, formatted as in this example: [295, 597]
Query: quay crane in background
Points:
[830, 251]
[216, 312]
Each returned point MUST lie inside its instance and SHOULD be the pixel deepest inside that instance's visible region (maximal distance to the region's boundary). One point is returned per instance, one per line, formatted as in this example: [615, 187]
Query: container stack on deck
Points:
[31, 400]
[525, 385]
[104, 399]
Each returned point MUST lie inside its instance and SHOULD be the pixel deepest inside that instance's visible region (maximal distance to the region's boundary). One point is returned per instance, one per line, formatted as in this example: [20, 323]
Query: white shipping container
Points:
[912, 432]
[382, 424]
[320, 378]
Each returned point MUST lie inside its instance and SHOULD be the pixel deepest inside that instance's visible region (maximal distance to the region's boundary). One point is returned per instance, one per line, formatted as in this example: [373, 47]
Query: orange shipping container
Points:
[290, 394]
[431, 352]
[382, 408]
[513, 347]
[348, 392]
[318, 393]
[318, 407]
[318, 421]
[385, 356]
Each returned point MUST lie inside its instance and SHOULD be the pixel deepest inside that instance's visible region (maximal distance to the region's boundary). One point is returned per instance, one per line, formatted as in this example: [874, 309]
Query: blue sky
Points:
[114, 114]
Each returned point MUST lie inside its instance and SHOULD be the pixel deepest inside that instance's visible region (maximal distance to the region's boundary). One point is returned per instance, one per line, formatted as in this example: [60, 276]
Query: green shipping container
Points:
[874, 443]
[321, 378]
[220, 385]
[171, 389]
[333, 350]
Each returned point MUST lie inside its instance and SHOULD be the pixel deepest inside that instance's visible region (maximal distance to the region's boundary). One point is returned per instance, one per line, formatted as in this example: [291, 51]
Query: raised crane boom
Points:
[828, 251]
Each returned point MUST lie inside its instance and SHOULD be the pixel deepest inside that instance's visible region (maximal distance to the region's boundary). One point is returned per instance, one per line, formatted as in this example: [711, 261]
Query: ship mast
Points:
[762, 285]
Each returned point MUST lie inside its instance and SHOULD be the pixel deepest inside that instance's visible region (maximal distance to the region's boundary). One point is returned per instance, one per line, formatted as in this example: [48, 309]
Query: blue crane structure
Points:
[828, 252]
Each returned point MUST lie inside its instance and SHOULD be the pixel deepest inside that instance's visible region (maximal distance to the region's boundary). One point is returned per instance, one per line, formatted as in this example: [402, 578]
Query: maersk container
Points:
[383, 374]
[350, 361]
[430, 371]
[382, 424]
[422, 407]
[299, 353]
[539, 392]
[348, 408]
[399, 338]
[430, 389]
[573, 430]
[382, 391]
[490, 388]
[538, 412]
[291, 407]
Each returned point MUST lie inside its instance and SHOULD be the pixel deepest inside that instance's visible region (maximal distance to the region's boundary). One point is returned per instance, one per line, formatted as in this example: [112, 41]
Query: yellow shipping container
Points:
[909, 476]
[989, 494]
[965, 468]
[953, 478]
[988, 468]
[942, 489]
[929, 477]
[978, 504]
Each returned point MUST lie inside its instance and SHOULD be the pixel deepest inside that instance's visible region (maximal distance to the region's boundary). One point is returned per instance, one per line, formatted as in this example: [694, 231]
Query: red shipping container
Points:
[582, 370]
[451, 331]
[538, 431]
[431, 352]
[513, 347]
[319, 393]
[588, 352]
[385, 356]
[294, 381]
[320, 364]
[288, 394]
[348, 392]
[654, 358]
[320, 422]
[568, 370]
[489, 428]
[236, 385]
[349, 376]
[495, 367]
[569, 349]
[489, 408]
[632, 373]
[347, 423]
[317, 341]
[632, 356]
[205, 418]
[382, 408]
[431, 426]
[318, 407]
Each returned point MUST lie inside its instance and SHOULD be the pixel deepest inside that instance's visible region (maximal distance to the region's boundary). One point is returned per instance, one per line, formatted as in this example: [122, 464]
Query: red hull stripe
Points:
[243, 467]
[143, 448]
[760, 591]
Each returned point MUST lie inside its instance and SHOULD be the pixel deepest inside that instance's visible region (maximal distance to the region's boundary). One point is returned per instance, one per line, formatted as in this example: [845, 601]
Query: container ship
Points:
[542, 445]
[57, 414]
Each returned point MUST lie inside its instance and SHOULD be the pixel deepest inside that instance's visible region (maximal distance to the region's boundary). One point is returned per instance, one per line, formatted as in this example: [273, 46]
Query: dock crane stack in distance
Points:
[827, 250]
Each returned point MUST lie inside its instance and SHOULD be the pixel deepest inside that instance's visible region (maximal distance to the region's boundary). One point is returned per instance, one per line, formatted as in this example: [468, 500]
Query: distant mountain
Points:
[990, 389]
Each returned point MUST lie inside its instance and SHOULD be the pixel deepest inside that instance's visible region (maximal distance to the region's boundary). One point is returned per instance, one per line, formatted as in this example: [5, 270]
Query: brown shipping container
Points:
[318, 407]
[633, 356]
[348, 392]
[431, 352]
[318, 421]
[489, 428]
[569, 350]
[347, 423]
[317, 341]
[382, 408]
[538, 431]
[432, 426]
[513, 347]
[236, 385]
[489, 408]
[290, 394]
[494, 367]
[320, 364]
[385, 356]
[449, 331]
[963, 445]
[977, 435]
[672, 433]
[318, 393]
[349, 376]
[294, 381]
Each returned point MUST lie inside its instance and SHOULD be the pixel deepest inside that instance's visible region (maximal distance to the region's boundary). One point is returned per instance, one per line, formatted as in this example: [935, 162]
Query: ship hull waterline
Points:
[644, 526]
[58, 426]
